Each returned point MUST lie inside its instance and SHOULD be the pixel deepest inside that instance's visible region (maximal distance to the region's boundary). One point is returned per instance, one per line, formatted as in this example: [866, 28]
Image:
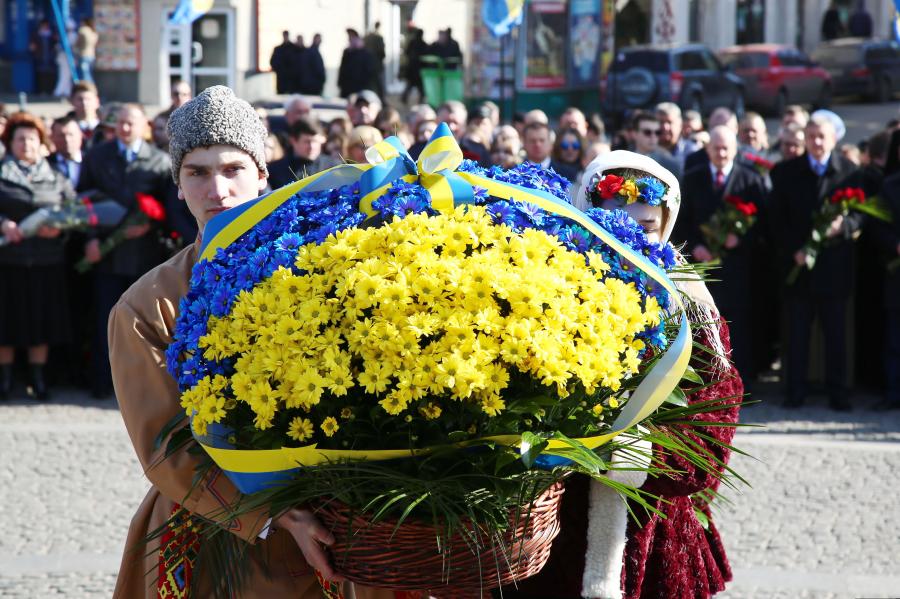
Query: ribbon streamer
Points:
[436, 171]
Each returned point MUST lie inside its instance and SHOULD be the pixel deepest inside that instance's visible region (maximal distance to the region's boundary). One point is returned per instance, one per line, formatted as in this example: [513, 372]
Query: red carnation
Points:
[609, 186]
[150, 206]
[745, 208]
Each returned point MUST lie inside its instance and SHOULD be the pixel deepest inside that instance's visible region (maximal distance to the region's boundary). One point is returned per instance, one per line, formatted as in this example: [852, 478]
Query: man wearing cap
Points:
[800, 187]
[218, 162]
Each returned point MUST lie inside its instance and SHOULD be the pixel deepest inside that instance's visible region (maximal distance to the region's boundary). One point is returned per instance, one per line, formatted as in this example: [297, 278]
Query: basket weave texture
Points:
[411, 560]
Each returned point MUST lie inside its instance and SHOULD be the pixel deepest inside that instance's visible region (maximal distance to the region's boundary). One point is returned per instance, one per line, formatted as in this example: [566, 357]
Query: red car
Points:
[777, 75]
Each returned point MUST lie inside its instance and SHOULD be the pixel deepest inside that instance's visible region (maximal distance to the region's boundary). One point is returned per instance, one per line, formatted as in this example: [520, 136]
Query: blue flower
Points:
[576, 238]
[652, 190]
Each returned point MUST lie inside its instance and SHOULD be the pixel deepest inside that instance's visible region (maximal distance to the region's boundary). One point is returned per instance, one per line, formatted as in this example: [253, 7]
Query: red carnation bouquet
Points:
[734, 217]
[149, 209]
[842, 203]
[761, 165]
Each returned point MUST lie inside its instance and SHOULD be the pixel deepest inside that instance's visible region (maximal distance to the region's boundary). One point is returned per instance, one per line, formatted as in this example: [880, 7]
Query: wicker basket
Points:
[409, 559]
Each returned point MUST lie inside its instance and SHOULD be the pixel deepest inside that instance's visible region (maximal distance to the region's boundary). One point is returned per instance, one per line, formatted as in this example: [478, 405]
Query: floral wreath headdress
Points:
[631, 177]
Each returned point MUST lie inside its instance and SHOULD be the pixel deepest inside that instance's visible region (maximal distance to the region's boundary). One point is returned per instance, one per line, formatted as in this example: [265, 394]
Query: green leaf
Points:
[170, 426]
[691, 375]
[578, 453]
[458, 436]
[704, 521]
[677, 397]
[532, 446]
[178, 440]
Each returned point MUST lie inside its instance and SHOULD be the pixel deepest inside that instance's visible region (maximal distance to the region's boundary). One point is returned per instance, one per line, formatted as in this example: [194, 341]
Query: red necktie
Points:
[720, 179]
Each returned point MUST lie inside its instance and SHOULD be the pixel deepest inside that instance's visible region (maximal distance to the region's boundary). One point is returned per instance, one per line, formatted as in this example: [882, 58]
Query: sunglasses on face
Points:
[570, 145]
[650, 132]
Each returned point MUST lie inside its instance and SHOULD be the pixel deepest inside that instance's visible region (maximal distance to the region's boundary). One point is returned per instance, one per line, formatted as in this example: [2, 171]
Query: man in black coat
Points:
[282, 62]
[312, 69]
[800, 187]
[704, 190]
[119, 170]
[887, 237]
[357, 70]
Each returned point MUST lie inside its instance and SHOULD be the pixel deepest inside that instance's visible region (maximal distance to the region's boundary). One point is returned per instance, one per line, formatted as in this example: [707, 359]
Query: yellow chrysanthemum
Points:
[431, 411]
[300, 429]
[330, 426]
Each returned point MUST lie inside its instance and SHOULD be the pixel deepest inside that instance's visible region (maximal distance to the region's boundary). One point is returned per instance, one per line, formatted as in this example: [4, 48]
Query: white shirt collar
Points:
[725, 171]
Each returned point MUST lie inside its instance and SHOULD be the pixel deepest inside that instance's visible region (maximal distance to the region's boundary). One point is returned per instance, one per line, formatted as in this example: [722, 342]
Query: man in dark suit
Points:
[119, 170]
[67, 138]
[800, 186]
[704, 191]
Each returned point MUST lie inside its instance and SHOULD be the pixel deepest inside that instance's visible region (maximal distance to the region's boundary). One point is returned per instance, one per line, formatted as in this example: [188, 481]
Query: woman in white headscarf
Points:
[600, 551]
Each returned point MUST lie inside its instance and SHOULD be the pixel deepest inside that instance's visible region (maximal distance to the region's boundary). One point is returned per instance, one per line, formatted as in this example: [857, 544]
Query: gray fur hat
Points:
[216, 117]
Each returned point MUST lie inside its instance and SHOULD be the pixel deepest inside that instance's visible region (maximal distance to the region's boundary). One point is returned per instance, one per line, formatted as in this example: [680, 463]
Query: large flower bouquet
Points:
[437, 346]
[734, 217]
[841, 203]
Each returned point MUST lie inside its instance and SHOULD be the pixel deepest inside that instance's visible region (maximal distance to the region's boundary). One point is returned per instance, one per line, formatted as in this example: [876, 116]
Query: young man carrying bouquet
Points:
[719, 221]
[218, 162]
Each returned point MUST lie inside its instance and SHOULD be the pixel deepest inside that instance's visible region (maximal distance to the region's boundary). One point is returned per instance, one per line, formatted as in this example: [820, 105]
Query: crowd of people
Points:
[117, 152]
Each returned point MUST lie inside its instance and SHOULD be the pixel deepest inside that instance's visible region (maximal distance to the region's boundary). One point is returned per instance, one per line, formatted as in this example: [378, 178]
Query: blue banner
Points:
[500, 16]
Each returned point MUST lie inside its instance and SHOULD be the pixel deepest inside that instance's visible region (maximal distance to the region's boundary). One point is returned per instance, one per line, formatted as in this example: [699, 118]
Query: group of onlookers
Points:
[115, 152]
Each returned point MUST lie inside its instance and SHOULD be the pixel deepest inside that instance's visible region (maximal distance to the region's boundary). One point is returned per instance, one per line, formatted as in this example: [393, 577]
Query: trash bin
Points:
[442, 80]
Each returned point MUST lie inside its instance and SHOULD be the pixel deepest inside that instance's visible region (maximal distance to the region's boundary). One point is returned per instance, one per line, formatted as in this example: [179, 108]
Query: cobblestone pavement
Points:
[821, 520]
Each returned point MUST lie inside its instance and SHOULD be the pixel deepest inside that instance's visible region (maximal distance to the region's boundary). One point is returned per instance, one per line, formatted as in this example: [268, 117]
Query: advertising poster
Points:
[546, 41]
[117, 28]
[585, 39]
[608, 37]
[497, 60]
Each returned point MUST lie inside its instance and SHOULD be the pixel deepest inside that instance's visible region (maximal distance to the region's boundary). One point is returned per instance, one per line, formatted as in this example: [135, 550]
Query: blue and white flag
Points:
[189, 11]
[896, 27]
[500, 16]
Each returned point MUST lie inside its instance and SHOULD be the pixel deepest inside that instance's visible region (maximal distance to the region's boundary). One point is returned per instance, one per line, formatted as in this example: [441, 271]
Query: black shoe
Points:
[38, 388]
[886, 404]
[793, 402]
[6, 379]
[840, 404]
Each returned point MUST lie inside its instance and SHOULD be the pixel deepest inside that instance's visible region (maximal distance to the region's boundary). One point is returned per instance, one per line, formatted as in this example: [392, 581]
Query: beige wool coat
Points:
[140, 328]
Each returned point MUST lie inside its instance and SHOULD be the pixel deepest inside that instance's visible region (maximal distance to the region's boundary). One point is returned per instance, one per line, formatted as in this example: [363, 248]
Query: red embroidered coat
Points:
[665, 558]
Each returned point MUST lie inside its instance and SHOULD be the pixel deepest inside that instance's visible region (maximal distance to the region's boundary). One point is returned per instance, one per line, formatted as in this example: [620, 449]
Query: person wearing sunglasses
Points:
[646, 129]
[567, 153]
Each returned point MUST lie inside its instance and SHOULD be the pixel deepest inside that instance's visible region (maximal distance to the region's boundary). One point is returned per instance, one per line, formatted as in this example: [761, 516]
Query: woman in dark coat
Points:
[33, 304]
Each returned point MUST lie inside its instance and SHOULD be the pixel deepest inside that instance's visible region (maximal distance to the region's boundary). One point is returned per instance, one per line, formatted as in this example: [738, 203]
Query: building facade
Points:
[140, 53]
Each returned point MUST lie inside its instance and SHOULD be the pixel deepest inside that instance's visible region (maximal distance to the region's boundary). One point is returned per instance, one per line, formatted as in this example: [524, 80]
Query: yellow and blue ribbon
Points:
[436, 171]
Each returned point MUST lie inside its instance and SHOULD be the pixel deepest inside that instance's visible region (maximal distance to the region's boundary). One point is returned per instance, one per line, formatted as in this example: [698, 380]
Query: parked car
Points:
[777, 75]
[858, 66]
[691, 76]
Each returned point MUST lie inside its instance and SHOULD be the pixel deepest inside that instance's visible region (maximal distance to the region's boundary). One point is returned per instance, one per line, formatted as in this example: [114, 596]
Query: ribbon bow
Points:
[435, 171]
